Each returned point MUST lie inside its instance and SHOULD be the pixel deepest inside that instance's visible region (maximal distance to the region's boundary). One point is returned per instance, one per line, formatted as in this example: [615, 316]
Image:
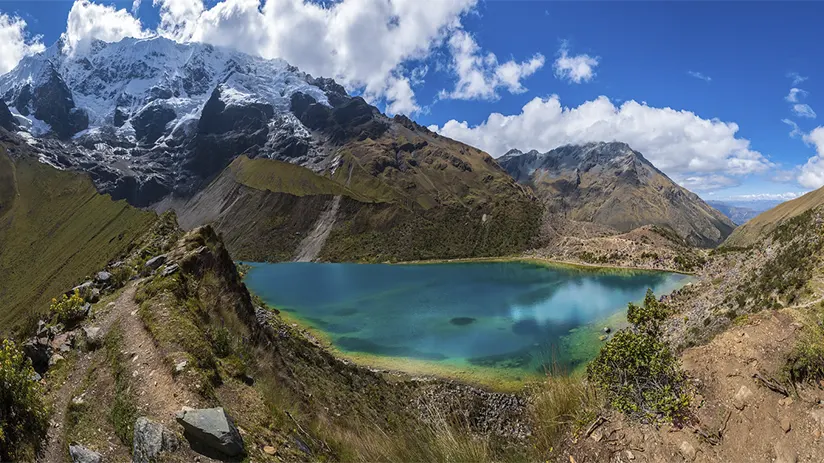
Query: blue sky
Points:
[715, 64]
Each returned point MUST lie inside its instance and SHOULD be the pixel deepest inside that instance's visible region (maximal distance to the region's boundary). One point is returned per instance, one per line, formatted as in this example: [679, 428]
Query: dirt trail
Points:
[157, 395]
[756, 424]
[310, 247]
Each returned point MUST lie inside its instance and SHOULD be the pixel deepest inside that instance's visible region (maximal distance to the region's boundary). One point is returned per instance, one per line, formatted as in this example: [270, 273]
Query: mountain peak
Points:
[603, 182]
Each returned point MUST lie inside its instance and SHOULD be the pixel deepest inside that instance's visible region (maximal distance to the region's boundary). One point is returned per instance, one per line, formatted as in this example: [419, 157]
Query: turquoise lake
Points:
[505, 316]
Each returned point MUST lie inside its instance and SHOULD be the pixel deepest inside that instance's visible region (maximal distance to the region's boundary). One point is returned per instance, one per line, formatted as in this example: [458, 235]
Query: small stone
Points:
[55, 358]
[269, 450]
[785, 424]
[607, 330]
[630, 455]
[181, 366]
[597, 435]
[786, 401]
[603, 337]
[742, 397]
[687, 451]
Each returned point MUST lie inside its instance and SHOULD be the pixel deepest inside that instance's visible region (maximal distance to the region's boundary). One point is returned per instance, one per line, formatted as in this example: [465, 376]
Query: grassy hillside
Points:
[407, 195]
[764, 223]
[55, 229]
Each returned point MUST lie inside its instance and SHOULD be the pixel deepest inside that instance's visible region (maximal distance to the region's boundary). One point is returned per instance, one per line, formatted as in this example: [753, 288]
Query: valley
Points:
[211, 256]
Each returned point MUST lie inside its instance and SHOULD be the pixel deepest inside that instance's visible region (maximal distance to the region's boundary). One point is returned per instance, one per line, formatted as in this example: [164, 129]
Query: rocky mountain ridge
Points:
[613, 185]
[150, 117]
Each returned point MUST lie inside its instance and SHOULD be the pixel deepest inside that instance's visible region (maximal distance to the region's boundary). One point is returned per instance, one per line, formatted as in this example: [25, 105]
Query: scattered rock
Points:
[213, 428]
[93, 337]
[55, 359]
[170, 270]
[785, 424]
[150, 439]
[742, 397]
[269, 450]
[603, 337]
[155, 262]
[786, 401]
[629, 454]
[81, 454]
[81, 288]
[607, 330]
[94, 296]
[784, 453]
[180, 367]
[103, 278]
[687, 451]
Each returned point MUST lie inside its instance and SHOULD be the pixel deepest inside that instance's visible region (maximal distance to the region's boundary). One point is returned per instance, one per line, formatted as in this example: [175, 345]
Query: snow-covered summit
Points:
[149, 117]
[113, 82]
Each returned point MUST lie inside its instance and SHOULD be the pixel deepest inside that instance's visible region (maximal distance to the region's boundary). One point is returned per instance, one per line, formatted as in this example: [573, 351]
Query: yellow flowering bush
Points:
[68, 309]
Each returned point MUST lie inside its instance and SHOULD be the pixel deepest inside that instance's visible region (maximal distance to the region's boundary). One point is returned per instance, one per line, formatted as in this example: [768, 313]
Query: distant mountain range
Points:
[613, 185]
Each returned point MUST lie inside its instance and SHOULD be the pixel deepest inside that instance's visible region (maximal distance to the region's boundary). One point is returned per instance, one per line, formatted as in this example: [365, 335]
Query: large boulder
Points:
[212, 428]
[150, 440]
[155, 262]
[39, 351]
[81, 454]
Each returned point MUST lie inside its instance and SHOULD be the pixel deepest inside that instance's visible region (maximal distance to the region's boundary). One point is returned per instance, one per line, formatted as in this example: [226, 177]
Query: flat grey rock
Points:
[212, 428]
[150, 440]
[81, 454]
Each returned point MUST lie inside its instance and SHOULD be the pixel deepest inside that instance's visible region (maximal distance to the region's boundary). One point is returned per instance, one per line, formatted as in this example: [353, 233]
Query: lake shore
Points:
[556, 263]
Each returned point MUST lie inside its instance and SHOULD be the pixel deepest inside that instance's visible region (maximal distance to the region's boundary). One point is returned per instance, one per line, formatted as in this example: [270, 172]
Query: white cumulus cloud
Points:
[480, 75]
[682, 144]
[15, 42]
[577, 68]
[812, 173]
[364, 44]
[89, 21]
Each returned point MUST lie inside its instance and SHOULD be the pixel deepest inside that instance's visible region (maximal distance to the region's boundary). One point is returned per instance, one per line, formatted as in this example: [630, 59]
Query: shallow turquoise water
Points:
[503, 315]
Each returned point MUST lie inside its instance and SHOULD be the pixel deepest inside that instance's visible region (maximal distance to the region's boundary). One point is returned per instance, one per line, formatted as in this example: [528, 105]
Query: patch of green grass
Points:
[123, 410]
[54, 231]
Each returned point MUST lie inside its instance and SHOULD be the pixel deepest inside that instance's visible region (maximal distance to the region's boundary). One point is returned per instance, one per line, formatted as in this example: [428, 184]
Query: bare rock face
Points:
[611, 184]
[211, 428]
[7, 120]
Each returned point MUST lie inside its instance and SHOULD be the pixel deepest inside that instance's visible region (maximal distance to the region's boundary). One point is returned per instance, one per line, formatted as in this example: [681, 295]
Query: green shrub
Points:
[805, 362]
[637, 371]
[24, 419]
[68, 310]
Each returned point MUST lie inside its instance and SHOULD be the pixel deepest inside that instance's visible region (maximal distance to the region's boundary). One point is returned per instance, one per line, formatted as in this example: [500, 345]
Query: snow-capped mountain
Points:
[150, 117]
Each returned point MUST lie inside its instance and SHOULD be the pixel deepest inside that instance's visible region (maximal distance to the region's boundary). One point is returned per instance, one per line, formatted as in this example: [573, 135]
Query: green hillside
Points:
[764, 223]
[55, 229]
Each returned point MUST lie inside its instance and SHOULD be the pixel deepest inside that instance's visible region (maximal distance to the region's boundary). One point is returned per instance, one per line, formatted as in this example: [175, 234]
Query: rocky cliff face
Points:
[613, 185]
[151, 118]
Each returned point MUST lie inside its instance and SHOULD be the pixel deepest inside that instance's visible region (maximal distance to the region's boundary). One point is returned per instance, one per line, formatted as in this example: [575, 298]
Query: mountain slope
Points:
[159, 124]
[55, 229]
[613, 185]
[764, 223]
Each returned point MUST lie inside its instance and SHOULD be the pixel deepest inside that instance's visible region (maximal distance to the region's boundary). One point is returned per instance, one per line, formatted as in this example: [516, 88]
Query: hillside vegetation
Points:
[764, 223]
[55, 229]
[433, 199]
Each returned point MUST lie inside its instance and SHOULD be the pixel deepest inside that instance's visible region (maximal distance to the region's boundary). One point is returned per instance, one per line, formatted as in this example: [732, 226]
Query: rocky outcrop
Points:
[212, 428]
[7, 120]
[53, 104]
[150, 440]
[352, 119]
[151, 123]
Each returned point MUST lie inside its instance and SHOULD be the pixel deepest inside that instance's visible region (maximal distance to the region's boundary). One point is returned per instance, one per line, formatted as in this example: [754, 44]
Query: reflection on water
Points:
[509, 315]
